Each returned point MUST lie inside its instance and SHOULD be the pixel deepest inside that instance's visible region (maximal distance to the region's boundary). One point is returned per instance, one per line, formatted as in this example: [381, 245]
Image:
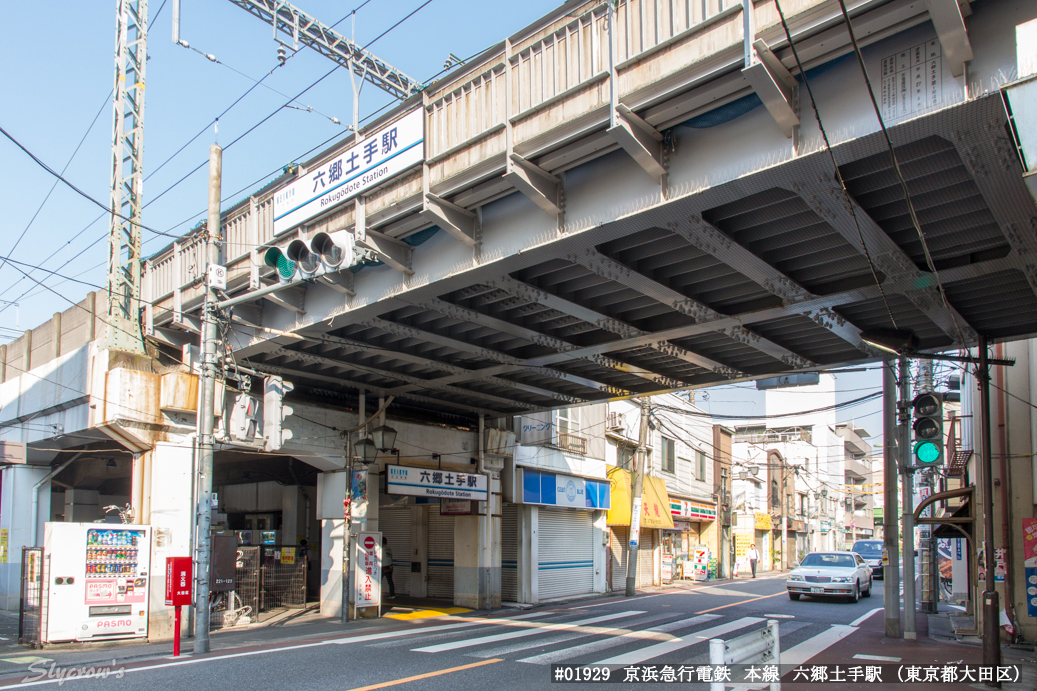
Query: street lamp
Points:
[384, 437]
[366, 450]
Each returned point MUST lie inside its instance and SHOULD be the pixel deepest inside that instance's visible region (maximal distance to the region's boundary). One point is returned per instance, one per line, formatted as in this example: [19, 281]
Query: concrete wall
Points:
[171, 517]
[16, 519]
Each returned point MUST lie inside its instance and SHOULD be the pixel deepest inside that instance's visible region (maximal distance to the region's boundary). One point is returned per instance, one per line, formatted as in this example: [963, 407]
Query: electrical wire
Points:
[900, 175]
[835, 165]
[251, 129]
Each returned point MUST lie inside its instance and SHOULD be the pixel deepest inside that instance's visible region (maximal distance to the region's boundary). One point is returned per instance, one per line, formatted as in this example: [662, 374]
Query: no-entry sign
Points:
[368, 574]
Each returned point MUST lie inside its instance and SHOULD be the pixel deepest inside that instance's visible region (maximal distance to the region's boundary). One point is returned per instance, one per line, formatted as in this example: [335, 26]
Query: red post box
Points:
[178, 592]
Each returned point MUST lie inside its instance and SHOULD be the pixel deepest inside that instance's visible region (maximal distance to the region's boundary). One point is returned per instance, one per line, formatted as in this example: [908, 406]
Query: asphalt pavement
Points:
[476, 650]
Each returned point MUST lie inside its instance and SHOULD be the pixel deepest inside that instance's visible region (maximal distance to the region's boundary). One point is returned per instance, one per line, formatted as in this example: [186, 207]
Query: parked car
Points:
[871, 550]
[826, 574]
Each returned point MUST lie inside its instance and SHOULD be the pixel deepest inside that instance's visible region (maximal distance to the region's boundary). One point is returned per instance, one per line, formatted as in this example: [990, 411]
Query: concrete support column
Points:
[419, 550]
[526, 558]
[331, 490]
[168, 476]
[477, 555]
[17, 519]
[601, 538]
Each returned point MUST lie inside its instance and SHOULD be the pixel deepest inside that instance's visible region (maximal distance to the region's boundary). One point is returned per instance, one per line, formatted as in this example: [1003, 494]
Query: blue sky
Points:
[56, 85]
[55, 94]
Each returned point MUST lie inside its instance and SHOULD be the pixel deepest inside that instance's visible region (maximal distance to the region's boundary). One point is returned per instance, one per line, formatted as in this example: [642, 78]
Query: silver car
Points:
[826, 574]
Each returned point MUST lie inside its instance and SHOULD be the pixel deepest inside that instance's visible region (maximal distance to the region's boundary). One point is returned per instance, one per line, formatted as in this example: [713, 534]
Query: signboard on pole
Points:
[379, 156]
[445, 484]
[368, 573]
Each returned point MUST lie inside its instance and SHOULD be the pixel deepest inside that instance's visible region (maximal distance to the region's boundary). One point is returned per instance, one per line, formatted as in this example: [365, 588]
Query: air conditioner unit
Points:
[614, 420]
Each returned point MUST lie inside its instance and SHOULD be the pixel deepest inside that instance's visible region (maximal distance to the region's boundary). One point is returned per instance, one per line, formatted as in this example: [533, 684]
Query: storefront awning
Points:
[655, 503]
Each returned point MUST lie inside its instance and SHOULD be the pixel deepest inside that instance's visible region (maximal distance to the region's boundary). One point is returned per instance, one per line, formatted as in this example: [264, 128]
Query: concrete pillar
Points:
[526, 557]
[534, 554]
[601, 537]
[331, 490]
[290, 500]
[169, 469]
[477, 554]
[16, 518]
[419, 550]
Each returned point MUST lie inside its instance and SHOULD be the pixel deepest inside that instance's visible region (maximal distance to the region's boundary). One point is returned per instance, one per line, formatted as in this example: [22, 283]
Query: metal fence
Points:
[32, 615]
[282, 577]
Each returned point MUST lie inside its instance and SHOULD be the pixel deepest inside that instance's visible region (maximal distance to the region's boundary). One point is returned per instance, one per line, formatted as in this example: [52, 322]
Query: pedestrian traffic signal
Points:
[928, 429]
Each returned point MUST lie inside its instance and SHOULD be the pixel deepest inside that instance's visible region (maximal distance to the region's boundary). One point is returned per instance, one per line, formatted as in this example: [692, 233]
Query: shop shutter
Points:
[395, 526]
[509, 553]
[440, 554]
[565, 542]
[619, 558]
[646, 558]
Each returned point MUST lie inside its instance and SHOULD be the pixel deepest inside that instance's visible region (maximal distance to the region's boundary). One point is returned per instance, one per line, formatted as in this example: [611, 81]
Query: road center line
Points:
[427, 675]
[740, 602]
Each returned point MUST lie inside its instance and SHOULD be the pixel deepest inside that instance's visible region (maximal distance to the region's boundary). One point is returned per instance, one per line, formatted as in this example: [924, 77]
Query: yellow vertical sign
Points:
[3, 545]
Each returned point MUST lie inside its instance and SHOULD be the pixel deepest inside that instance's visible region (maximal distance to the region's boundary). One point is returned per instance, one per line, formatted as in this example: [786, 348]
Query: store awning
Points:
[946, 531]
[655, 502]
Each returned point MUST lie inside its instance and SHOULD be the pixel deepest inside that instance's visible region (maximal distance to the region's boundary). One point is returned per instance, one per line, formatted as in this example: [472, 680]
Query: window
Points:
[803, 511]
[667, 455]
[567, 420]
[625, 456]
[700, 465]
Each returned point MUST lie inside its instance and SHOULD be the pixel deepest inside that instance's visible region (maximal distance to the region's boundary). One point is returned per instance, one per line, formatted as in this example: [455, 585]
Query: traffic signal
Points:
[322, 254]
[928, 429]
[284, 266]
[275, 412]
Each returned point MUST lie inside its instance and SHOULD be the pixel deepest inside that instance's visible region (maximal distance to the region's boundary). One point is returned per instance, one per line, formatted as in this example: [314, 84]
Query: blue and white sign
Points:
[425, 482]
[379, 156]
[550, 489]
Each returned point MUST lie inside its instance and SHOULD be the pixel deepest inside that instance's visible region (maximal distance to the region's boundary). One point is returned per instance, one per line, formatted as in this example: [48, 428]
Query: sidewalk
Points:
[868, 645]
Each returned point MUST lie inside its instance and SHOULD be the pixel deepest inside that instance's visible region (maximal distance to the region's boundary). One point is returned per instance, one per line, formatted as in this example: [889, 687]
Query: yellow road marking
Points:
[427, 675]
[428, 612]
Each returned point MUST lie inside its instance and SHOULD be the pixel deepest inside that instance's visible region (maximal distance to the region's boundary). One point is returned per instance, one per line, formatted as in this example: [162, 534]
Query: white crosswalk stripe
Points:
[582, 632]
[637, 656]
[656, 633]
[523, 632]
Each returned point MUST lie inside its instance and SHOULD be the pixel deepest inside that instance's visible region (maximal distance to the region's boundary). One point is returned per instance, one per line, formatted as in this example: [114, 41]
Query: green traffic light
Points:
[927, 452]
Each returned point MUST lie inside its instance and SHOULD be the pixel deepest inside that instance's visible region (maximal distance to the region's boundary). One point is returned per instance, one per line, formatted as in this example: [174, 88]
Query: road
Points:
[477, 652]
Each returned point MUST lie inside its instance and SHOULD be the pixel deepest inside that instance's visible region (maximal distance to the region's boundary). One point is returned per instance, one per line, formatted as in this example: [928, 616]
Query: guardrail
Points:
[757, 647]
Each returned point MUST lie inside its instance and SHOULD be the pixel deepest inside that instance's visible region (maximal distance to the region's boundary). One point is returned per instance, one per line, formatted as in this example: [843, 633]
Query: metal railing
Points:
[757, 647]
[571, 443]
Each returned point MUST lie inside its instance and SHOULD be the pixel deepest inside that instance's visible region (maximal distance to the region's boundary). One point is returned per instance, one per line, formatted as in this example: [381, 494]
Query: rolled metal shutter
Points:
[395, 525]
[646, 558]
[565, 543]
[440, 554]
[619, 556]
[509, 553]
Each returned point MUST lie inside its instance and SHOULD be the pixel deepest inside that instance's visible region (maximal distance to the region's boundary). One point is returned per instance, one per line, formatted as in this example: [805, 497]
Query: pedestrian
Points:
[387, 567]
[753, 556]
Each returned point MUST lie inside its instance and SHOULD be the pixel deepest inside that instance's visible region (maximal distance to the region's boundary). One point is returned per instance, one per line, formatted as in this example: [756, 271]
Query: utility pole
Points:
[637, 487]
[891, 569]
[907, 468]
[127, 179]
[207, 409]
[991, 604]
[784, 520]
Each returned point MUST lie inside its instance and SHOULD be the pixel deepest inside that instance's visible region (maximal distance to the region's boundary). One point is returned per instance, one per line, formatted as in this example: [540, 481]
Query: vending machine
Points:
[98, 580]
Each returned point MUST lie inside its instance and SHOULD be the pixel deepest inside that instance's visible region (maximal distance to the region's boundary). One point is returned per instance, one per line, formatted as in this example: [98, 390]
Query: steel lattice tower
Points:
[124, 261]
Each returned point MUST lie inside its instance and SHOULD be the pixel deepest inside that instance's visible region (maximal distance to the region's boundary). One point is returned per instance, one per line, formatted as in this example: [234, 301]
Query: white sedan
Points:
[824, 574]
